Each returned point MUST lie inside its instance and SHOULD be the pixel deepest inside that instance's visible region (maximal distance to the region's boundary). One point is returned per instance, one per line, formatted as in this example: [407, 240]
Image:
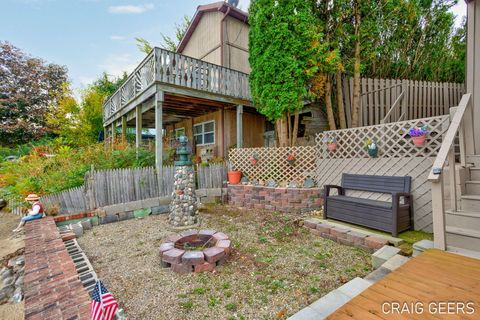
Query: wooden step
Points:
[472, 187]
[463, 219]
[475, 159]
[475, 173]
[470, 202]
[463, 238]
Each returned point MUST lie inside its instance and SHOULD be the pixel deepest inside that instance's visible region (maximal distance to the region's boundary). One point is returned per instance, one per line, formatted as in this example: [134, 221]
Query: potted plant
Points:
[234, 176]
[371, 147]
[418, 135]
[291, 159]
[331, 143]
[253, 159]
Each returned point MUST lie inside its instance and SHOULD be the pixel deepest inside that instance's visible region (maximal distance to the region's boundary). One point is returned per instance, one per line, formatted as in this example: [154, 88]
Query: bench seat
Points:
[392, 216]
[363, 201]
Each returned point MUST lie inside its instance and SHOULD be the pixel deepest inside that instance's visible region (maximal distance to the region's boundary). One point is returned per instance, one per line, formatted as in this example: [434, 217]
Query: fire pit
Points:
[195, 251]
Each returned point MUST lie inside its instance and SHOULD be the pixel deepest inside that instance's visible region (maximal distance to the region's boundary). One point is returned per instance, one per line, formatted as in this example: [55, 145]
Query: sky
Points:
[93, 36]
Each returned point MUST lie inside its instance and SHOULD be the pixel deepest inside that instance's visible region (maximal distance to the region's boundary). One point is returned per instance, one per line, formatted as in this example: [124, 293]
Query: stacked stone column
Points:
[183, 210]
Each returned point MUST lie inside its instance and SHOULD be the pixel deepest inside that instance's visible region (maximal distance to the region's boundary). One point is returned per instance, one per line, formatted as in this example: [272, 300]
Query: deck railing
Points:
[461, 118]
[172, 68]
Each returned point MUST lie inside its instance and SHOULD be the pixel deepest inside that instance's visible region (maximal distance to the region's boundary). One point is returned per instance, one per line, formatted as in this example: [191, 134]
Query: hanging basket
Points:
[291, 162]
[419, 141]
[332, 146]
[253, 162]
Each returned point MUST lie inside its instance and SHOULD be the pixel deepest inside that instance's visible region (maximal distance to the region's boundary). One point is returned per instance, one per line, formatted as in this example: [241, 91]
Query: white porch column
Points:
[138, 127]
[158, 130]
[239, 126]
[473, 67]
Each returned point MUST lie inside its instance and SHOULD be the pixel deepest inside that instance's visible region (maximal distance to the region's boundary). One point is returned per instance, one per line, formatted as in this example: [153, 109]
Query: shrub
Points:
[58, 167]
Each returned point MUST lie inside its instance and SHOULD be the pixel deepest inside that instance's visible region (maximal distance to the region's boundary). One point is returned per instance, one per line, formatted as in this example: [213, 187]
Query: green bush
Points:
[55, 167]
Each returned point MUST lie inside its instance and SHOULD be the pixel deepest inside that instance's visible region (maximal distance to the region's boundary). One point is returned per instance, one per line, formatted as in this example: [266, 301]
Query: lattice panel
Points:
[392, 140]
[272, 163]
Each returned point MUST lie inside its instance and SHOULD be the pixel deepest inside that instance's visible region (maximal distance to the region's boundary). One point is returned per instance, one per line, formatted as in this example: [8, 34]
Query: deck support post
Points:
[239, 126]
[159, 130]
[124, 128]
[138, 127]
[113, 134]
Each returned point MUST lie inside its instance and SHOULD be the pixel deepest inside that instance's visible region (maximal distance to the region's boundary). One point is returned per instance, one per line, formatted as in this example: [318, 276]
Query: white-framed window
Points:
[179, 132]
[204, 133]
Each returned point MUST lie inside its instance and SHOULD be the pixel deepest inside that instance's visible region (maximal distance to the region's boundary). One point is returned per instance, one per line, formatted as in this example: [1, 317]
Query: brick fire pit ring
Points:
[195, 251]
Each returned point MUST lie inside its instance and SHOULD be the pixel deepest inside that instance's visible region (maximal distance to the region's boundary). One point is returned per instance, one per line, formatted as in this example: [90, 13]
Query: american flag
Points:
[104, 305]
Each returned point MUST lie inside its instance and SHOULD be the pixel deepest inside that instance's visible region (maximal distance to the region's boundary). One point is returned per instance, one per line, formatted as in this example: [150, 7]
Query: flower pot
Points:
[419, 141]
[291, 162]
[373, 152]
[332, 146]
[234, 177]
[254, 161]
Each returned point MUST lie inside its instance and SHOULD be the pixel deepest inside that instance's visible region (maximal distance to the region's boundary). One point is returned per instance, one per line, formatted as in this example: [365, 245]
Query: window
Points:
[179, 132]
[204, 133]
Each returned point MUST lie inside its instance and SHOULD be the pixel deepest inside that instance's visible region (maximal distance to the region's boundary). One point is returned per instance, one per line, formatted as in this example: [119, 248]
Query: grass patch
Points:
[410, 237]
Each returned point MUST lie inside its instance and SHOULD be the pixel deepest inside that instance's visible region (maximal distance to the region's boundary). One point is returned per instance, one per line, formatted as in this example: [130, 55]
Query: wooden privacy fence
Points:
[107, 187]
[114, 186]
[212, 176]
[390, 100]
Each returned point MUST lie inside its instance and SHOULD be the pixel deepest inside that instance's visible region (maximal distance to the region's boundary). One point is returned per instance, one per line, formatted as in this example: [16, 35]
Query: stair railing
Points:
[461, 122]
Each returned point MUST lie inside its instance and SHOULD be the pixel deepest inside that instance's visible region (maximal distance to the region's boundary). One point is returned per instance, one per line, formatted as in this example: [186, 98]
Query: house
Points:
[200, 91]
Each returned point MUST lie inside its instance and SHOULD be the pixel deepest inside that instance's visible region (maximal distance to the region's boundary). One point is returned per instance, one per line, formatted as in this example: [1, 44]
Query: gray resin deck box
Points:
[392, 216]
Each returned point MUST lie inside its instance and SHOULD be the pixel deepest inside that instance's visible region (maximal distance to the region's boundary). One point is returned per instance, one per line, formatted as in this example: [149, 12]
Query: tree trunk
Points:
[328, 104]
[340, 106]
[356, 70]
[295, 128]
[289, 124]
[282, 131]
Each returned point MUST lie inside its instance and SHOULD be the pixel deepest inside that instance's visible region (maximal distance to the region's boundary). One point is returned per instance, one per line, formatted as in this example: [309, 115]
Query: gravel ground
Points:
[276, 268]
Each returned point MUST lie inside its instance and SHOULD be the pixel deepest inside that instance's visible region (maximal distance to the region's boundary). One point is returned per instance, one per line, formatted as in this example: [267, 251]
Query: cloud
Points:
[130, 9]
[117, 38]
[116, 65]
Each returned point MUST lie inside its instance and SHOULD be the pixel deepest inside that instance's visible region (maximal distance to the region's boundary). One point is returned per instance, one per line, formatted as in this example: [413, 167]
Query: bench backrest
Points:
[382, 184]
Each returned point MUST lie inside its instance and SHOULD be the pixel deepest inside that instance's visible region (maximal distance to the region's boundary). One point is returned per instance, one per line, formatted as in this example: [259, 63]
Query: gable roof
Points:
[217, 6]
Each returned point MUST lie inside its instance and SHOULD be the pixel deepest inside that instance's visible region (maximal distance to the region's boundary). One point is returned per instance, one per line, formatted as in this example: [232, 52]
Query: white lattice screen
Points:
[272, 163]
[392, 139]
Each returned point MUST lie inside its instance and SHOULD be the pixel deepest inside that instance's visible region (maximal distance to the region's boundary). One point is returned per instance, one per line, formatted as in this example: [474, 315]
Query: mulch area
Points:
[276, 268]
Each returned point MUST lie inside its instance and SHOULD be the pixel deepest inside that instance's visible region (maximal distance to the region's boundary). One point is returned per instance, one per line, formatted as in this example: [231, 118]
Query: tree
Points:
[143, 45]
[28, 86]
[81, 123]
[168, 43]
[285, 53]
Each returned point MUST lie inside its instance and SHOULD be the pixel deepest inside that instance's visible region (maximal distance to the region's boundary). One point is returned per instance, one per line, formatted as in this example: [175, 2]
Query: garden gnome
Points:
[35, 213]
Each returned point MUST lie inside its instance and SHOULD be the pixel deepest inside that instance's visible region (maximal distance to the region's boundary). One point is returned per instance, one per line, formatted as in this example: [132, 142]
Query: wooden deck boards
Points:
[434, 276]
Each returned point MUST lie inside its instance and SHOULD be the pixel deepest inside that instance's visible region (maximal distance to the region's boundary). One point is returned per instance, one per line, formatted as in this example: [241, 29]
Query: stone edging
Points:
[184, 261]
[52, 287]
[344, 236]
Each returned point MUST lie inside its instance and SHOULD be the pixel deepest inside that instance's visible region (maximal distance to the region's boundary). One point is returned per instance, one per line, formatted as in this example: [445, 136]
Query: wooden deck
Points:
[434, 276]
